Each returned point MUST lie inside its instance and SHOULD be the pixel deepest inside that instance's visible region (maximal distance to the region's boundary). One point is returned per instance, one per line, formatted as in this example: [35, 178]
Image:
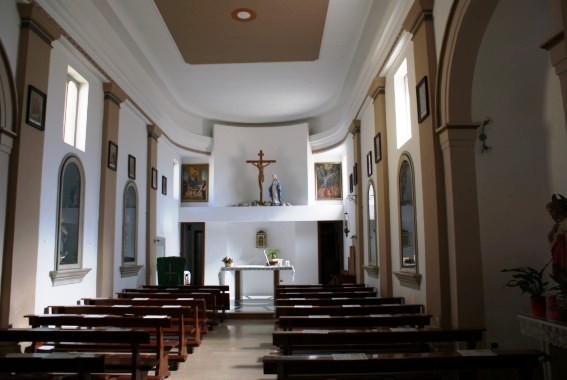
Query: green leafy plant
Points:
[272, 253]
[227, 260]
[528, 279]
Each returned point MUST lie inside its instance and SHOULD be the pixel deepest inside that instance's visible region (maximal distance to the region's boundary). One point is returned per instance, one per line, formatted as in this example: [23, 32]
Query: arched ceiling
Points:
[192, 63]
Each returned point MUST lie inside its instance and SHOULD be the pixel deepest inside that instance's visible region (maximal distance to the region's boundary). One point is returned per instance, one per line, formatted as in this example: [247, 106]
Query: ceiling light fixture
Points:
[243, 15]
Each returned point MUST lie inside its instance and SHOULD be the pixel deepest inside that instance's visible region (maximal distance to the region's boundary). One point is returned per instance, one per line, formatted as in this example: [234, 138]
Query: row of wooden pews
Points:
[133, 337]
[347, 331]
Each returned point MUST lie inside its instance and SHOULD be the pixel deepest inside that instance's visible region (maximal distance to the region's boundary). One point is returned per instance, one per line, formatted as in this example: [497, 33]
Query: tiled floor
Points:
[234, 350]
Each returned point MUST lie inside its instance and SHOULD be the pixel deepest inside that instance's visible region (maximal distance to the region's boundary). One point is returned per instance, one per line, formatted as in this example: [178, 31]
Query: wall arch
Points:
[467, 23]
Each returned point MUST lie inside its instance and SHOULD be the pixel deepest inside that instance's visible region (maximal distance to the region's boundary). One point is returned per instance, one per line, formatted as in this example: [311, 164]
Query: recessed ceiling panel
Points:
[245, 31]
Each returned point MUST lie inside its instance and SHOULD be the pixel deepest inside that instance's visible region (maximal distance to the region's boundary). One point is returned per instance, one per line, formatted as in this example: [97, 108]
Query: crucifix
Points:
[260, 164]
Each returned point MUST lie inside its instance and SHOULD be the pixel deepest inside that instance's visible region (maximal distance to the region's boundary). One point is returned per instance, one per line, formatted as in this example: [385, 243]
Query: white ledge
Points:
[262, 213]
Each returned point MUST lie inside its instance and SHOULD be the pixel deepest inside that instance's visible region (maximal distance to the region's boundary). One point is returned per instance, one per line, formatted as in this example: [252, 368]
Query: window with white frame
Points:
[130, 224]
[76, 104]
[402, 105]
[70, 214]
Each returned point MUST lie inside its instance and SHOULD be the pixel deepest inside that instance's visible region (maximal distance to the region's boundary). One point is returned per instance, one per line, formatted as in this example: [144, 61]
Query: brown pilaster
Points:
[37, 31]
[113, 97]
[465, 262]
[378, 93]
[419, 23]
[151, 218]
[359, 256]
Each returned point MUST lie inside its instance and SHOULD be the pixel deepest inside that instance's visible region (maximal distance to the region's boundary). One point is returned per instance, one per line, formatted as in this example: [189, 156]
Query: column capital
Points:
[420, 11]
[114, 93]
[154, 131]
[377, 87]
[36, 18]
[463, 134]
[354, 127]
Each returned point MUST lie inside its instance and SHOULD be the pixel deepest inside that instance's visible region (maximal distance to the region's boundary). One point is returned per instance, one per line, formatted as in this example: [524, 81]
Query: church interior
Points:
[416, 147]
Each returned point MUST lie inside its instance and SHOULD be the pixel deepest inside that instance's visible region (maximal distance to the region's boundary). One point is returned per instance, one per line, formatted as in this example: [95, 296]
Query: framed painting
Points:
[154, 178]
[131, 167]
[422, 100]
[112, 155]
[328, 183]
[35, 113]
[164, 185]
[377, 148]
[369, 164]
[194, 180]
[351, 183]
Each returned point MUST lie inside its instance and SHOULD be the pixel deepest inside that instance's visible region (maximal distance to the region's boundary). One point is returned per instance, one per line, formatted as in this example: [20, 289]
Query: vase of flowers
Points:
[228, 261]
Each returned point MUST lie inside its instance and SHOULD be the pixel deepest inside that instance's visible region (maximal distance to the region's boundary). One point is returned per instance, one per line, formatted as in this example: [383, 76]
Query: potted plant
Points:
[530, 281]
[272, 255]
[227, 260]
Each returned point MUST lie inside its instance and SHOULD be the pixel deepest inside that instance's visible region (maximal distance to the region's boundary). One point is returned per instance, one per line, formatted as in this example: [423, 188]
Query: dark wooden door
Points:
[193, 249]
[330, 237]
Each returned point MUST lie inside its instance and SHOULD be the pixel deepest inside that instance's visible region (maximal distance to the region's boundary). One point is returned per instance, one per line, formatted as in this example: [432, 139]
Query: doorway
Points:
[193, 250]
[330, 241]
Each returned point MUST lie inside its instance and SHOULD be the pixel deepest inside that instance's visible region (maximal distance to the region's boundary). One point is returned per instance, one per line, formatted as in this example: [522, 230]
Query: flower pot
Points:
[538, 306]
[228, 265]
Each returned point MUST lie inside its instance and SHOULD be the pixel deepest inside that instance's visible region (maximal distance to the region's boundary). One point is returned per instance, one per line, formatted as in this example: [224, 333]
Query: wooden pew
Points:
[370, 339]
[224, 301]
[348, 309]
[73, 362]
[325, 294]
[178, 314]
[339, 301]
[156, 352]
[319, 288]
[200, 324]
[31, 365]
[288, 323]
[524, 362]
[210, 297]
[311, 286]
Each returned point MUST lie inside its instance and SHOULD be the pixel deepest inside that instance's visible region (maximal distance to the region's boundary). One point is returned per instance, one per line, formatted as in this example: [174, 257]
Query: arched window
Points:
[70, 215]
[130, 225]
[408, 238]
[372, 236]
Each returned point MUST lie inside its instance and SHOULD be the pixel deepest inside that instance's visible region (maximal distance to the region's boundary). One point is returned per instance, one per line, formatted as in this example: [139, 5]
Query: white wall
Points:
[236, 181]
[167, 206]
[238, 240]
[54, 152]
[367, 133]
[132, 140]
[10, 31]
[394, 155]
[527, 162]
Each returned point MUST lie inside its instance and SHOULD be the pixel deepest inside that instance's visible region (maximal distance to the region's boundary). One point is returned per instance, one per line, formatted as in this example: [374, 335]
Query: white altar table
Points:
[239, 268]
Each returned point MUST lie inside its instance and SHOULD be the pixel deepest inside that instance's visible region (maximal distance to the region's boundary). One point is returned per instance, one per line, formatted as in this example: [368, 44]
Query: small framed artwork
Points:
[369, 164]
[355, 174]
[112, 155]
[377, 148]
[131, 167]
[351, 184]
[328, 183]
[35, 113]
[261, 239]
[164, 185]
[154, 178]
[422, 99]
[194, 183]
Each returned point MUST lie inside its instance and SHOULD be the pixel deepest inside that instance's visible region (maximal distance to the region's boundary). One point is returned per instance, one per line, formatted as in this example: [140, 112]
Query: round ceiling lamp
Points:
[243, 15]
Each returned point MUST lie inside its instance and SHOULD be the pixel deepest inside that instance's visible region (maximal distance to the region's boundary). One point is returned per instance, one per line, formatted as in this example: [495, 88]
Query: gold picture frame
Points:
[194, 182]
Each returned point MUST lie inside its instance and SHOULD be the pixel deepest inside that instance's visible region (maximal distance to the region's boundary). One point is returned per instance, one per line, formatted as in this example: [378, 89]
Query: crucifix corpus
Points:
[260, 164]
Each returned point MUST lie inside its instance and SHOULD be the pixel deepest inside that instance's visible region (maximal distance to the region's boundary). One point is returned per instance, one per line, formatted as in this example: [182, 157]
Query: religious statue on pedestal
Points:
[275, 191]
